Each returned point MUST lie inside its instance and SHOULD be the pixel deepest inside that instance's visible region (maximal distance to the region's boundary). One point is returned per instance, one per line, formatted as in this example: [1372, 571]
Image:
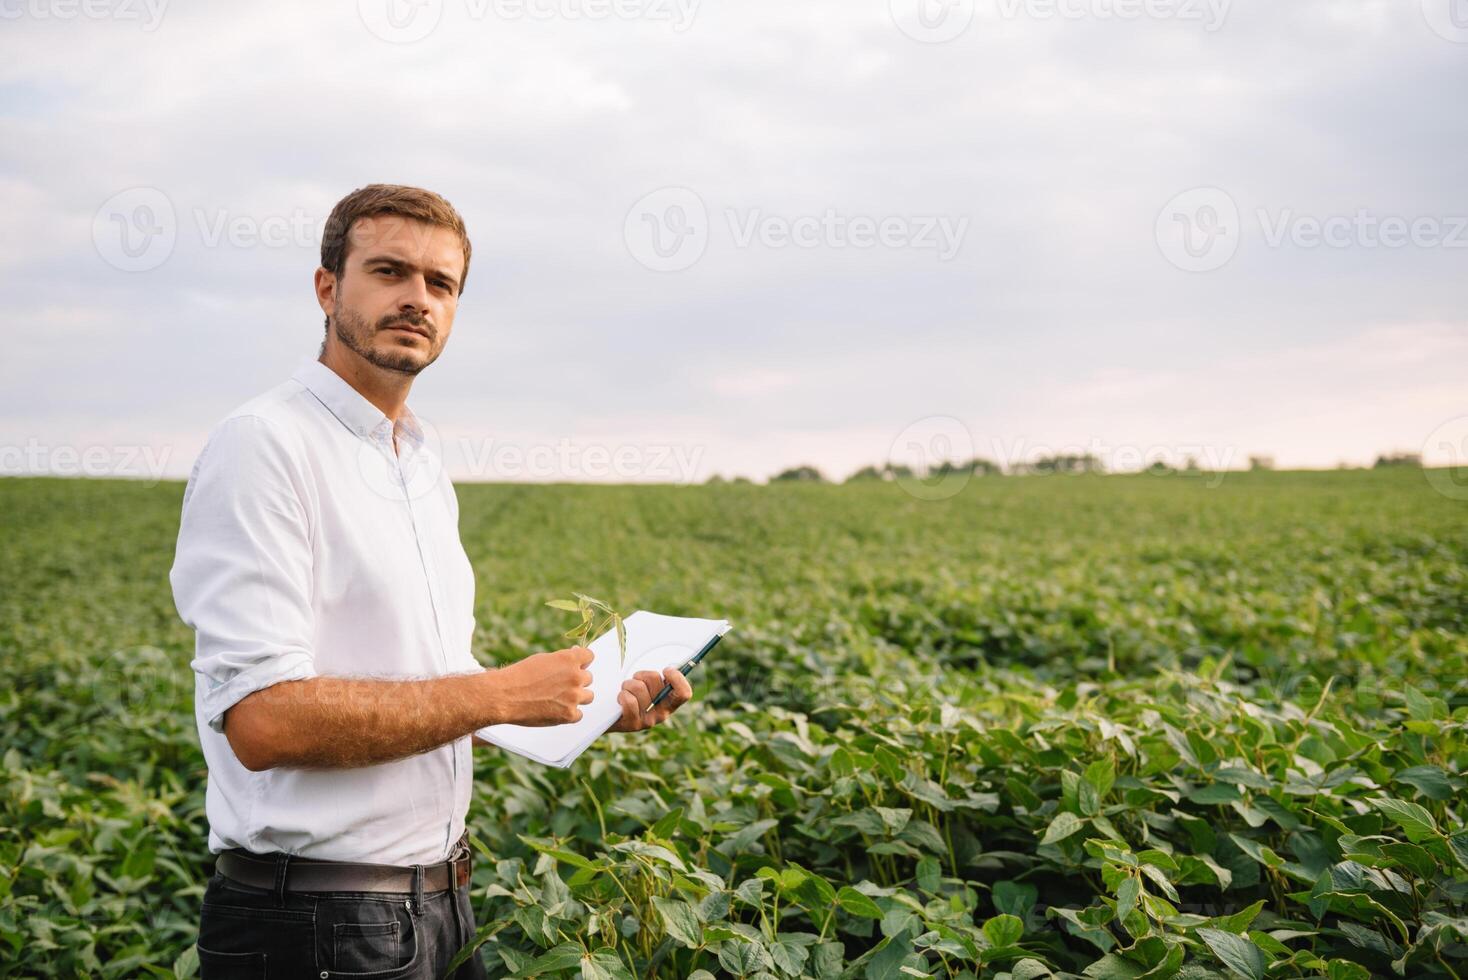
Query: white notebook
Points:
[654, 642]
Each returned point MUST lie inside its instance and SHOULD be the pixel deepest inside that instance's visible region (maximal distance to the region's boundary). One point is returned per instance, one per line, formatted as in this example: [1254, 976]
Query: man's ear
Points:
[325, 289]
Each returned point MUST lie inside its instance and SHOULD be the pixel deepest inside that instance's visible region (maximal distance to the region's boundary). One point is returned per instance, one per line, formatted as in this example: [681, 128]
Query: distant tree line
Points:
[978, 466]
[1057, 463]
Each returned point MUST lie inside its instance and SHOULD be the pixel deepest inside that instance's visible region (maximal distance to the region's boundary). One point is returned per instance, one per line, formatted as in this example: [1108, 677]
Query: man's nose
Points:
[415, 297]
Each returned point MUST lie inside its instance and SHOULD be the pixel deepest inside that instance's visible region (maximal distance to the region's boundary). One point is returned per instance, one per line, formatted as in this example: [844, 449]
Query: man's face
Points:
[395, 300]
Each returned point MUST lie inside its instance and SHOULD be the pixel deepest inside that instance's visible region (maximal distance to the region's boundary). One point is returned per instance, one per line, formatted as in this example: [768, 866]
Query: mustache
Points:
[406, 320]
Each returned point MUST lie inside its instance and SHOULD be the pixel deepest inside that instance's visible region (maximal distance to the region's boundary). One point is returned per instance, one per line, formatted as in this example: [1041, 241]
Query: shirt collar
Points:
[353, 410]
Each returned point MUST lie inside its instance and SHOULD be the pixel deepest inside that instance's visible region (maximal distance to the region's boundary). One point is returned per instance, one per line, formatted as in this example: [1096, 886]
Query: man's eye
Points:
[388, 270]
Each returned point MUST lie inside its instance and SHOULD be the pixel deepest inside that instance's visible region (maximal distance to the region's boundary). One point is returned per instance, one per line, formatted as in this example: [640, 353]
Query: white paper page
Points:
[654, 642]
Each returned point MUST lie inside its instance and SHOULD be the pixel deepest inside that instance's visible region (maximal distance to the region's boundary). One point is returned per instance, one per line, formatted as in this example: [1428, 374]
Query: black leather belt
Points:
[314, 875]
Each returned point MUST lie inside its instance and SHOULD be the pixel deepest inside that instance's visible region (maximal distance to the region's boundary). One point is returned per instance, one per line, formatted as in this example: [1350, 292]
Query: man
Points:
[319, 562]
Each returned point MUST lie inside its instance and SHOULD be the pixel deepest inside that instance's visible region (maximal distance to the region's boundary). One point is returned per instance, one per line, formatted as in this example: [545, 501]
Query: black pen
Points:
[692, 662]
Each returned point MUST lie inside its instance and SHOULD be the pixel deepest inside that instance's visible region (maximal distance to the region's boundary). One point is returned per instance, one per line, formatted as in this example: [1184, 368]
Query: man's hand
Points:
[545, 688]
[340, 722]
[637, 693]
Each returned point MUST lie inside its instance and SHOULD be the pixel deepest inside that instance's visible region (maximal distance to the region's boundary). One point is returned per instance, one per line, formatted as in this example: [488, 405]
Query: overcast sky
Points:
[727, 237]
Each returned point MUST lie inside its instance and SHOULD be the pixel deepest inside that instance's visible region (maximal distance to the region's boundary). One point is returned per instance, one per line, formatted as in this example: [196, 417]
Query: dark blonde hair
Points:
[375, 199]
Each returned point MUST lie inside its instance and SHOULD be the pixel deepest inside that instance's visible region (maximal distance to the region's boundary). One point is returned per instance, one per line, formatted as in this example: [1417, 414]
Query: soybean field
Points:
[1163, 725]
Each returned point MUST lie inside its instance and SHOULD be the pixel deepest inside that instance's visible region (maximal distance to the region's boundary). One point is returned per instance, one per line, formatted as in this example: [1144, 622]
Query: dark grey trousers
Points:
[255, 933]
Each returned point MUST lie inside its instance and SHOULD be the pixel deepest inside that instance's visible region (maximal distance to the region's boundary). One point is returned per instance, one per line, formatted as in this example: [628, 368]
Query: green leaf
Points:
[826, 960]
[1014, 897]
[1259, 852]
[1419, 705]
[187, 963]
[1126, 896]
[667, 824]
[815, 893]
[1242, 919]
[1158, 878]
[1237, 953]
[751, 891]
[887, 958]
[741, 956]
[1346, 970]
[1431, 781]
[1458, 844]
[1029, 969]
[604, 964]
[563, 957]
[1412, 857]
[856, 903]
[1215, 794]
[654, 852]
[679, 921]
[789, 957]
[1112, 967]
[566, 604]
[1101, 774]
[1061, 827]
[1416, 822]
[1004, 930]
[929, 874]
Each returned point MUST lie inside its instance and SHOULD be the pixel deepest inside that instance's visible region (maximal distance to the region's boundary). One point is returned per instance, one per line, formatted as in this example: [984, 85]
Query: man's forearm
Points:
[339, 722]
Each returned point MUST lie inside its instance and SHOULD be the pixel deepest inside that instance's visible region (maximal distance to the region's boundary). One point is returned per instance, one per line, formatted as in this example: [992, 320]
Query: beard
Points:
[353, 330]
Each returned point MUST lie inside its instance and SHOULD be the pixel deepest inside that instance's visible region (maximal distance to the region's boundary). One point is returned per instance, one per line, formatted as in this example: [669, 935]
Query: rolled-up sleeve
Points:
[241, 574]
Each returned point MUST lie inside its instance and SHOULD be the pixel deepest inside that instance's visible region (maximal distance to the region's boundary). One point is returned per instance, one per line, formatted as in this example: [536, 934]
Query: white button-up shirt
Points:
[308, 547]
